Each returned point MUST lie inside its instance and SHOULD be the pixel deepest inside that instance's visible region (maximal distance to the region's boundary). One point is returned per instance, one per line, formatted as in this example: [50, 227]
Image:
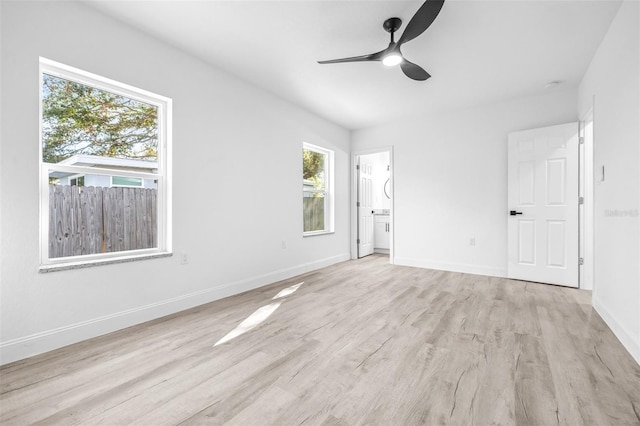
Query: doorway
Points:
[372, 201]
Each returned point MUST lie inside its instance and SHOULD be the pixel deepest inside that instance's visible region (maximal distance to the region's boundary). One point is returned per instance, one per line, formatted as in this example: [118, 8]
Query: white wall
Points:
[243, 143]
[611, 85]
[450, 182]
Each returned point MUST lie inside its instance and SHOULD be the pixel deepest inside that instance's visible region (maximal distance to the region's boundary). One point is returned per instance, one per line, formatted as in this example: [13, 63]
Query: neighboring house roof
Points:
[108, 163]
[99, 161]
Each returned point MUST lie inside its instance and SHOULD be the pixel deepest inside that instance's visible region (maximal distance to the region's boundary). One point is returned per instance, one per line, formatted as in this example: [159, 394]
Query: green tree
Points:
[312, 164]
[78, 119]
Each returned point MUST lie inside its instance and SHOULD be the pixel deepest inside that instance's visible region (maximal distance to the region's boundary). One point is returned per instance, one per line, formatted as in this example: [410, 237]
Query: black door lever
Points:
[513, 212]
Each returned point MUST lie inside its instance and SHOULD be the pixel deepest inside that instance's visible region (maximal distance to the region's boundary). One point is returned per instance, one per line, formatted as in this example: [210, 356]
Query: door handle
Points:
[513, 213]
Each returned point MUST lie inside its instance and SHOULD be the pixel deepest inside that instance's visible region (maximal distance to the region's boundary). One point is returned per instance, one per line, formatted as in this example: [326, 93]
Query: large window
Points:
[105, 184]
[317, 189]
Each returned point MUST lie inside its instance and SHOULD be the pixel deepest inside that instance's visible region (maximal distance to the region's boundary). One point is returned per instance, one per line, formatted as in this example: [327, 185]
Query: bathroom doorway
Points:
[372, 218]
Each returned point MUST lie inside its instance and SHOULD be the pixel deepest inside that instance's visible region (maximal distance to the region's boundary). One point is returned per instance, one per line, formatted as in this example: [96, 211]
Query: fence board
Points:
[313, 213]
[89, 220]
[120, 219]
[128, 218]
[153, 218]
[112, 219]
[107, 220]
[94, 219]
[115, 213]
[140, 222]
[60, 218]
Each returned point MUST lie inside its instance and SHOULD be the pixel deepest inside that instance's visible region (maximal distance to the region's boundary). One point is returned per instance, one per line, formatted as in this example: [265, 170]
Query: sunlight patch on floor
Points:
[259, 316]
[287, 291]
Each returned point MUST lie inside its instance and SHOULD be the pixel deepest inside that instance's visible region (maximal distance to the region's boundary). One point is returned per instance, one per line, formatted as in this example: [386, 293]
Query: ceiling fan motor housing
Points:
[392, 25]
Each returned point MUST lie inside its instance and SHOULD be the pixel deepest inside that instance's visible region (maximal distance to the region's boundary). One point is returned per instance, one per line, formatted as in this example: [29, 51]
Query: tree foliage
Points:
[312, 164]
[78, 119]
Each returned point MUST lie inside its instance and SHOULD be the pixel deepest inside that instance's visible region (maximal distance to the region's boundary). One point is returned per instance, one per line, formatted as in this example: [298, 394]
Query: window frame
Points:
[162, 174]
[328, 190]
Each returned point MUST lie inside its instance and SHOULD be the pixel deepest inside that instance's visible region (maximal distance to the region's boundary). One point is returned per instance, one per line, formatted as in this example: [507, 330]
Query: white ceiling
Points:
[477, 51]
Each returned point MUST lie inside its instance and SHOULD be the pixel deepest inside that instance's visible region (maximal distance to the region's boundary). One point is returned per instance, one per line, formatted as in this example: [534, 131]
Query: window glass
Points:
[80, 119]
[314, 206]
[125, 181]
[314, 168]
[77, 181]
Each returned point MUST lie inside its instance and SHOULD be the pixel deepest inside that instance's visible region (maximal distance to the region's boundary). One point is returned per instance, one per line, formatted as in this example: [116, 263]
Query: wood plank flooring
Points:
[361, 342]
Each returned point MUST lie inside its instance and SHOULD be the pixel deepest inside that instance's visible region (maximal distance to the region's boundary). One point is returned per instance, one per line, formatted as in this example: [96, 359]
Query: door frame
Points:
[355, 155]
[587, 190]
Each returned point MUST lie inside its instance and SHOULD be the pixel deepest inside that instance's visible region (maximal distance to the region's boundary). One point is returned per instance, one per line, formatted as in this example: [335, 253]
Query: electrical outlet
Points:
[472, 241]
[184, 259]
[284, 244]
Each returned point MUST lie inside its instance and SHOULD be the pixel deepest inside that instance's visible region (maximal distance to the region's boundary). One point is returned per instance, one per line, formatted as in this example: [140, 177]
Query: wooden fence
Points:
[313, 210]
[89, 220]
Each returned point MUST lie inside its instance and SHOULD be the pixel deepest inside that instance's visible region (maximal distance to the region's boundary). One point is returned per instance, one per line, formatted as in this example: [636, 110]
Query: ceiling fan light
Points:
[392, 59]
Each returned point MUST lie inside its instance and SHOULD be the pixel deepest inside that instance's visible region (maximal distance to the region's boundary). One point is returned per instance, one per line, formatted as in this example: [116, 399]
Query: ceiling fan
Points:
[392, 55]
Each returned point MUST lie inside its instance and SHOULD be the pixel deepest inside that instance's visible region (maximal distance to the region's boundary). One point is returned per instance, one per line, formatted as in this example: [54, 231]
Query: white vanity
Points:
[381, 231]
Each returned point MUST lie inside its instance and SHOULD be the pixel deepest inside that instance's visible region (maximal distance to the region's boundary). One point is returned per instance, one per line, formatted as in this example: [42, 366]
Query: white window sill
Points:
[98, 262]
[314, 233]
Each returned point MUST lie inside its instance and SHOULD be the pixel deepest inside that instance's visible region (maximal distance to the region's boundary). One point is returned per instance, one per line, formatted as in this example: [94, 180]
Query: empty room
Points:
[320, 212]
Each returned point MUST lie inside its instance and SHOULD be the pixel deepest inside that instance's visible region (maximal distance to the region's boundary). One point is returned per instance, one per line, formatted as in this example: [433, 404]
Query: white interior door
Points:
[543, 205]
[365, 208]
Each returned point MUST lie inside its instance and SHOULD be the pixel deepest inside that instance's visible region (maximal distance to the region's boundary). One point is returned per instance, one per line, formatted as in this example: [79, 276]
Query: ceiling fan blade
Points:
[414, 71]
[423, 18]
[371, 57]
[352, 59]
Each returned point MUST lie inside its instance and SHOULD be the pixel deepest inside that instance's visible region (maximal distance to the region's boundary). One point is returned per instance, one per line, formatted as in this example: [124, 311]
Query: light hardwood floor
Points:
[362, 342]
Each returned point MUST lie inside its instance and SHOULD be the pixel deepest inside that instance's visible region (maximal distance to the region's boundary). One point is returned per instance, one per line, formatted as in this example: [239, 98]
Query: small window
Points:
[317, 190]
[126, 181]
[77, 181]
[104, 156]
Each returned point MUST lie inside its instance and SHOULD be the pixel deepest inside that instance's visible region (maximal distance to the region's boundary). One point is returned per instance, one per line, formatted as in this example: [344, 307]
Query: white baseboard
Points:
[34, 344]
[452, 267]
[631, 343]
